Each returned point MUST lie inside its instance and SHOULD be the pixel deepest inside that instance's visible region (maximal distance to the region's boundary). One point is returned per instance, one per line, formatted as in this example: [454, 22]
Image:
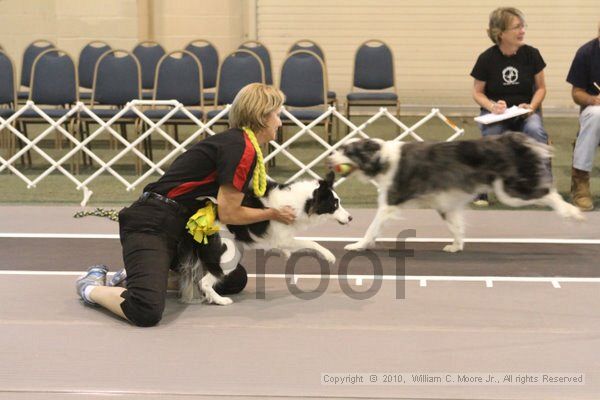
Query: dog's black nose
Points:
[349, 218]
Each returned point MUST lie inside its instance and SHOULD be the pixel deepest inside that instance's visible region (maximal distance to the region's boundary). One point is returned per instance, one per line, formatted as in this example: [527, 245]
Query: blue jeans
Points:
[588, 139]
[532, 126]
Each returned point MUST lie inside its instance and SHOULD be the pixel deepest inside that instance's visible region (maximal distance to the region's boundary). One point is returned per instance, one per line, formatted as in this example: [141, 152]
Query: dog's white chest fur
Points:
[294, 196]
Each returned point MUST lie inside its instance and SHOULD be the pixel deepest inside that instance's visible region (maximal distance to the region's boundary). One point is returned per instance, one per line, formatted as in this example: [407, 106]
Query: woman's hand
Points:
[498, 107]
[285, 215]
[526, 106]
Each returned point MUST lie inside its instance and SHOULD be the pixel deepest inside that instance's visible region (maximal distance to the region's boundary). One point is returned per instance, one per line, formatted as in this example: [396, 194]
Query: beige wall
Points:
[71, 24]
[435, 42]
[220, 22]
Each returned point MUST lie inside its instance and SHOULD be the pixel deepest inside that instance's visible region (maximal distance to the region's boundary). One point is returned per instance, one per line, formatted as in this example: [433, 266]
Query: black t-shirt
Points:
[511, 79]
[224, 158]
[585, 68]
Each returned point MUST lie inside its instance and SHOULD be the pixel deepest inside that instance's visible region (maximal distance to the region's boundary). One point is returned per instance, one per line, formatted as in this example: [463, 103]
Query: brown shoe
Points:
[580, 190]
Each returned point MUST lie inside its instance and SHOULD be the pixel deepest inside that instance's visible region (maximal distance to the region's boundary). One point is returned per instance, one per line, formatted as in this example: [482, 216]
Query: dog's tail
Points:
[543, 150]
[190, 271]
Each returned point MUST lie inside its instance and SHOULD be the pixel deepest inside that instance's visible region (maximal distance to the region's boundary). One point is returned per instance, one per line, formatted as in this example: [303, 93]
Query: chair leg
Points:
[167, 129]
[335, 123]
[84, 129]
[25, 158]
[138, 160]
[348, 116]
[112, 142]
[11, 143]
[123, 130]
[149, 144]
[397, 116]
[57, 140]
[272, 162]
[176, 127]
[3, 139]
[85, 135]
[74, 160]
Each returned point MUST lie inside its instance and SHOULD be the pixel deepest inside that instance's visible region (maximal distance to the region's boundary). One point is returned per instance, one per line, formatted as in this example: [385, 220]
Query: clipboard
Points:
[511, 112]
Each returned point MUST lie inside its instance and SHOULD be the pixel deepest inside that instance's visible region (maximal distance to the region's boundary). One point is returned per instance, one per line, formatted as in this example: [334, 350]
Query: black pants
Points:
[150, 231]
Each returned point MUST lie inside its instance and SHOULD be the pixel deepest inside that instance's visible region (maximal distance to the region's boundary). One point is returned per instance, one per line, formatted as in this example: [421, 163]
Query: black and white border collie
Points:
[314, 201]
[446, 176]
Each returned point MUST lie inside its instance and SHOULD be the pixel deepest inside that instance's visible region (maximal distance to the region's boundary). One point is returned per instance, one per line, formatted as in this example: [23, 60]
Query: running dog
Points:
[314, 202]
[446, 176]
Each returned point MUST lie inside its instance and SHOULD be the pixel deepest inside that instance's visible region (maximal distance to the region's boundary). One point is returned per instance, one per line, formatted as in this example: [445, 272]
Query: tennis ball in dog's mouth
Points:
[343, 169]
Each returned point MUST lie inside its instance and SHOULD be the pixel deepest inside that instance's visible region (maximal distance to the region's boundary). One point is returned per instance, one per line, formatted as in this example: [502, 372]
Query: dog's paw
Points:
[328, 256]
[223, 301]
[358, 246]
[286, 254]
[219, 300]
[570, 211]
[453, 248]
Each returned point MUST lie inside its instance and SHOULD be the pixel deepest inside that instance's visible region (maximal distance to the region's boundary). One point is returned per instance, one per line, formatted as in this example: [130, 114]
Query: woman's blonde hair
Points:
[500, 19]
[253, 104]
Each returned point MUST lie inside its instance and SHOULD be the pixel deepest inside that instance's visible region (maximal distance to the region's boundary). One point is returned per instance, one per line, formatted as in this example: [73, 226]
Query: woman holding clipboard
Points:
[510, 73]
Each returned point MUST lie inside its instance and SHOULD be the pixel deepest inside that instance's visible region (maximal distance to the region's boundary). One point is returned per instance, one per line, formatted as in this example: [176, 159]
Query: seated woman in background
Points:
[510, 73]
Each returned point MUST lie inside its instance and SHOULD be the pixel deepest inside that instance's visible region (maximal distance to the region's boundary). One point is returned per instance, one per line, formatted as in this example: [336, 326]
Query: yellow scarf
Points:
[259, 178]
[202, 224]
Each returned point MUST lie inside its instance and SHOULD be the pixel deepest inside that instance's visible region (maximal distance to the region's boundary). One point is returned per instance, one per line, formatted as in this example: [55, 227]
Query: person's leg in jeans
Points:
[588, 139]
[495, 129]
[583, 157]
[533, 127]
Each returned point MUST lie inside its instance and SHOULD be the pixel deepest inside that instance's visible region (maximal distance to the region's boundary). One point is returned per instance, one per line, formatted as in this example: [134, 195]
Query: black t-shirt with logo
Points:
[585, 68]
[509, 78]
[224, 158]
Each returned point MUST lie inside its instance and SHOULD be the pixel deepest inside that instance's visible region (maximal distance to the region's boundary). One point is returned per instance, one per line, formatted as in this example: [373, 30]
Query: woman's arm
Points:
[232, 212]
[481, 99]
[539, 94]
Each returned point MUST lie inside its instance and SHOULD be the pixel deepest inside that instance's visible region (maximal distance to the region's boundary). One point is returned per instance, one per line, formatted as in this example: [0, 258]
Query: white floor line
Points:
[58, 235]
[422, 279]
[324, 238]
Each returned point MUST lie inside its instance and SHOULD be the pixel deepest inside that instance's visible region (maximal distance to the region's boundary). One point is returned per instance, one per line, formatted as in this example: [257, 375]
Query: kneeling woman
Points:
[221, 167]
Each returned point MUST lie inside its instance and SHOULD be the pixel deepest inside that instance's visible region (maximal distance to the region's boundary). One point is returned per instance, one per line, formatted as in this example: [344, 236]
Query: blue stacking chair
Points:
[263, 53]
[31, 52]
[178, 77]
[208, 55]
[310, 45]
[8, 91]
[53, 83]
[8, 99]
[240, 68]
[374, 74]
[85, 67]
[117, 81]
[148, 54]
[304, 83]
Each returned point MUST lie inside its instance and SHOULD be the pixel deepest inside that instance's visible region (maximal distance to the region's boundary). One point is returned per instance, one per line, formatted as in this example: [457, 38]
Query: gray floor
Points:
[53, 347]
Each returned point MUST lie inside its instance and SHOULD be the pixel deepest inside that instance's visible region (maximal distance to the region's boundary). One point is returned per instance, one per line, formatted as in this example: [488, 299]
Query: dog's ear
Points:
[366, 153]
[326, 184]
[330, 178]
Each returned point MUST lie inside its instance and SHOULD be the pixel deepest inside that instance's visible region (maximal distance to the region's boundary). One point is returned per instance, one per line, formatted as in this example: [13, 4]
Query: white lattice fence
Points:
[155, 127]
